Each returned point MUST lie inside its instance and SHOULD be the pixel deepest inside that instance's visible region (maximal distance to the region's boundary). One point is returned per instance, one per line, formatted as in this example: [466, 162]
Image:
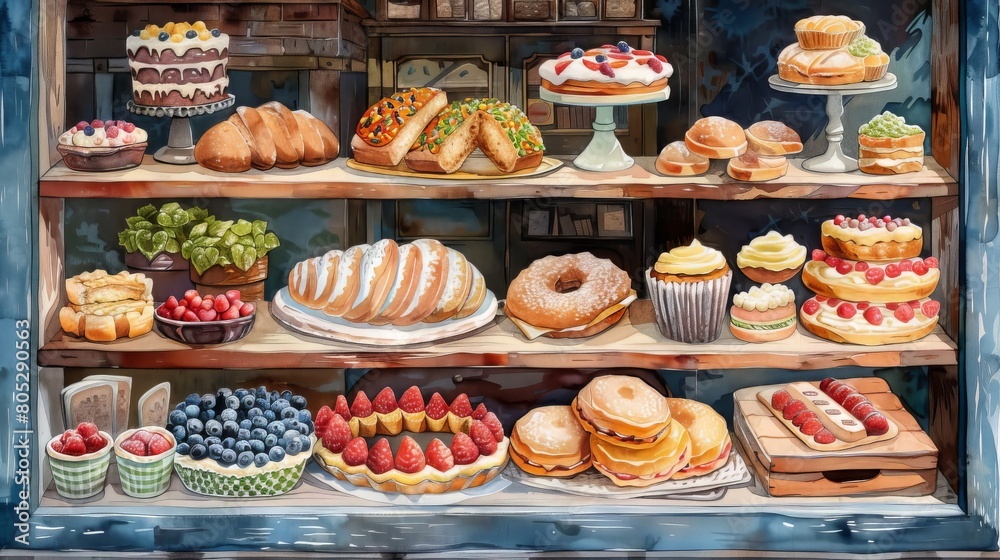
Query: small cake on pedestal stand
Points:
[833, 160]
[604, 152]
[180, 143]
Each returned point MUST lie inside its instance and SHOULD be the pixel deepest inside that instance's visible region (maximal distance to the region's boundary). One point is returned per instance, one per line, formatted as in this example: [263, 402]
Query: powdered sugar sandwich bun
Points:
[716, 138]
[549, 441]
[709, 434]
[622, 410]
[677, 160]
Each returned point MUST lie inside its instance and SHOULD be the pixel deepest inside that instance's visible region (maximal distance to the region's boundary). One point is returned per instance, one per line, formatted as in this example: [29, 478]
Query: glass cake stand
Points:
[833, 160]
[180, 144]
[604, 152]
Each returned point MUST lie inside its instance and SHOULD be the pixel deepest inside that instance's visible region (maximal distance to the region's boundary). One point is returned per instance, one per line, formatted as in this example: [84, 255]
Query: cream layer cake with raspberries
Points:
[607, 70]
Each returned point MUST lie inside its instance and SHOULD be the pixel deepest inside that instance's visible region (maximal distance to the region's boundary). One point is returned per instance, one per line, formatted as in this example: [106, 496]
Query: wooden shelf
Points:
[635, 342]
[335, 180]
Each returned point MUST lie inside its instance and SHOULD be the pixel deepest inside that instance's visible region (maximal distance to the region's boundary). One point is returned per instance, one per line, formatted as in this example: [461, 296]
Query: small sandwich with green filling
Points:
[763, 313]
[887, 146]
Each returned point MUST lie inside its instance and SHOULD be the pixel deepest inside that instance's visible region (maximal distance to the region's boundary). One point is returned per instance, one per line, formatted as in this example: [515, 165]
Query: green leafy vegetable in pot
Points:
[226, 242]
[153, 231]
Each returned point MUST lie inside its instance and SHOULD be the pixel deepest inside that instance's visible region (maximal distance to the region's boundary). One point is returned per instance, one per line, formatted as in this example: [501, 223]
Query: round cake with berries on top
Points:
[178, 65]
[348, 450]
[607, 70]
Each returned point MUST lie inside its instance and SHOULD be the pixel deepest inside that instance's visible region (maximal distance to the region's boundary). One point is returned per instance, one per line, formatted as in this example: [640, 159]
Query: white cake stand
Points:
[604, 152]
[834, 160]
[180, 144]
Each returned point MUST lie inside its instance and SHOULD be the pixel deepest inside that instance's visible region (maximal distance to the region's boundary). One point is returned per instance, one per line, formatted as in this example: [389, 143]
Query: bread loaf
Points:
[104, 307]
[268, 136]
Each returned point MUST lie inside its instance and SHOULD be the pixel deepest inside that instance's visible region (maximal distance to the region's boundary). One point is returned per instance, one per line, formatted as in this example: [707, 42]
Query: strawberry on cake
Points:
[477, 452]
[607, 70]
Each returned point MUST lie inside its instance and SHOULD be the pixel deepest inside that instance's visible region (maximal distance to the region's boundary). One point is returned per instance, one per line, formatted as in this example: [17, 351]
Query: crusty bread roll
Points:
[751, 167]
[390, 151]
[825, 67]
[377, 273]
[222, 148]
[268, 136]
[549, 441]
[677, 160]
[772, 138]
[716, 138]
[104, 307]
[258, 137]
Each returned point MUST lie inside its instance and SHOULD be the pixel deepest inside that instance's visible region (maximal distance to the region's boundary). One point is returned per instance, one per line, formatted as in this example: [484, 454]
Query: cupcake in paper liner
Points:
[689, 288]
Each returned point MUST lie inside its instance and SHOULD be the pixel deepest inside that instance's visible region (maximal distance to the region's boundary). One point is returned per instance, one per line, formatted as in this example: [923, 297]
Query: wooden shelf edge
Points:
[640, 345]
[335, 180]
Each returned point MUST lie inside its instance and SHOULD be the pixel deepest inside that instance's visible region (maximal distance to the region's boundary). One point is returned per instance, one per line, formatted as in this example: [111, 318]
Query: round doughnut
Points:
[433, 278]
[404, 285]
[377, 273]
[567, 291]
[456, 289]
[346, 286]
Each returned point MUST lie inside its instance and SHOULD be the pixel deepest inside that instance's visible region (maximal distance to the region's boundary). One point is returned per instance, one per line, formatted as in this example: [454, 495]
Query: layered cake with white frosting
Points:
[178, 65]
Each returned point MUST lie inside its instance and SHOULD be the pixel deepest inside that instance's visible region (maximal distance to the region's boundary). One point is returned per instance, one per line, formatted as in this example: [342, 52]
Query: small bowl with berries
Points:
[79, 460]
[145, 458]
[208, 319]
[102, 145]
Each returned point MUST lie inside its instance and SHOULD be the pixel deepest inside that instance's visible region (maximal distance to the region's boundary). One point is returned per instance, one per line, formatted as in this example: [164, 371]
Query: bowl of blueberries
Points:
[242, 443]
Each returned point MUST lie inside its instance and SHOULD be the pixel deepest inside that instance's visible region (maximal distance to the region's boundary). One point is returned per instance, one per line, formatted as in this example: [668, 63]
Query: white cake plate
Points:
[833, 160]
[604, 152]
[180, 143]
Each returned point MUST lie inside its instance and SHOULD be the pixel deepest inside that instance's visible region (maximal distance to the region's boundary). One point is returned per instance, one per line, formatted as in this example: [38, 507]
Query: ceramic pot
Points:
[169, 272]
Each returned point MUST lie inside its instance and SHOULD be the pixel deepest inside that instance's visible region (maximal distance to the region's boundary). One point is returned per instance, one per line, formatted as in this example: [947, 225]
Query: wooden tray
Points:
[764, 396]
[905, 465]
[477, 168]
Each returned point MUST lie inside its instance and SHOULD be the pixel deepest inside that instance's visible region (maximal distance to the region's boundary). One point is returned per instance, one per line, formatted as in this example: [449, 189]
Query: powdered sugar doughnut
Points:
[566, 291]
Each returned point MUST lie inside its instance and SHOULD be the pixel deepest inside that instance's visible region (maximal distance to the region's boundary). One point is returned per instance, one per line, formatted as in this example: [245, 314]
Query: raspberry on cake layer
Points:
[899, 281]
[870, 324]
[476, 455]
[178, 65]
[871, 238]
[607, 70]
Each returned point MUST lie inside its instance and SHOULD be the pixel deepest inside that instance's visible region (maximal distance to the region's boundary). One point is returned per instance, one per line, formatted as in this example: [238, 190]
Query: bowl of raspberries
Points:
[247, 442]
[145, 458]
[208, 319]
[79, 460]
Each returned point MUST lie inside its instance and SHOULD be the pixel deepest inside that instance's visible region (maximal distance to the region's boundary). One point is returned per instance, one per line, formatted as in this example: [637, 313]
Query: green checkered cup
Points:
[79, 476]
[145, 458]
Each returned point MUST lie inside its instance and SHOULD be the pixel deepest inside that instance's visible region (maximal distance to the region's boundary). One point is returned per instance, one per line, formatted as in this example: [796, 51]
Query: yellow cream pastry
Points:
[689, 288]
[771, 258]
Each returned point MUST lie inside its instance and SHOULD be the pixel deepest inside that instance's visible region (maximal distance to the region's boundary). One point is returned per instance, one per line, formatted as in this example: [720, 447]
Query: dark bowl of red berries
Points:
[208, 319]
[102, 145]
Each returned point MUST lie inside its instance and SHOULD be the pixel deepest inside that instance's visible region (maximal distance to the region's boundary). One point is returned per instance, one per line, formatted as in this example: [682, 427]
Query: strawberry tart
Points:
[477, 452]
[896, 281]
[869, 323]
[607, 70]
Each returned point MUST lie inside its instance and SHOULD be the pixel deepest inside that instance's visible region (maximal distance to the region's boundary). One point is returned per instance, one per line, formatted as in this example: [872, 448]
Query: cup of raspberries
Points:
[145, 458]
[79, 460]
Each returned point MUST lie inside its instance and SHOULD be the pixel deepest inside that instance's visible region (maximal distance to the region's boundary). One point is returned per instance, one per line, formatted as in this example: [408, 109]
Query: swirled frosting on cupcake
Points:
[772, 251]
[694, 261]
[764, 297]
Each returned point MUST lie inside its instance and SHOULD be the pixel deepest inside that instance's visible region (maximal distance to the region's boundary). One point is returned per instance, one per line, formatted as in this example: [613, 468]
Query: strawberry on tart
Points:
[477, 453]
[607, 70]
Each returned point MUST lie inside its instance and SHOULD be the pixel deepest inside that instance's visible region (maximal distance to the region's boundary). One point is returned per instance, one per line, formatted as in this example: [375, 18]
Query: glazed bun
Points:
[677, 160]
[549, 441]
[710, 442]
[629, 466]
[716, 138]
[623, 410]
